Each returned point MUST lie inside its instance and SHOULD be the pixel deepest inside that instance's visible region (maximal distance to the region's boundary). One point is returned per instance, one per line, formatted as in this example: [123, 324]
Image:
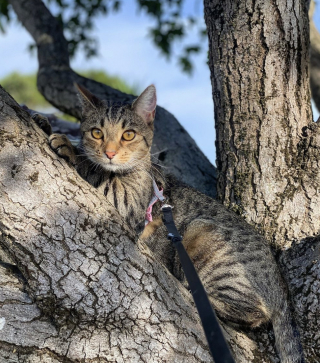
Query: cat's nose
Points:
[110, 154]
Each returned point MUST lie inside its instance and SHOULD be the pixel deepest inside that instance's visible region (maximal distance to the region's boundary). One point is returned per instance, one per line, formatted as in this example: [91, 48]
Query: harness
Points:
[158, 196]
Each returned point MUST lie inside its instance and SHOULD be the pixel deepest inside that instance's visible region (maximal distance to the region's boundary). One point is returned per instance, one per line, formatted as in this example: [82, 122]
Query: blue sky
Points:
[125, 50]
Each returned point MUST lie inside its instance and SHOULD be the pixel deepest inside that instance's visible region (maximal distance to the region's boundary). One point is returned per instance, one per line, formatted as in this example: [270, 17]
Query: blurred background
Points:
[127, 59]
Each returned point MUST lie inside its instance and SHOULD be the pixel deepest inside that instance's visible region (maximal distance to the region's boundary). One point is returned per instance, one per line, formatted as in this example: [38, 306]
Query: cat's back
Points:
[210, 229]
[234, 262]
[190, 204]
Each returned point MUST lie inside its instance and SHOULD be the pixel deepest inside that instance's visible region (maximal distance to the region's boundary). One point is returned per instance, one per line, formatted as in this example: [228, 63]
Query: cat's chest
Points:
[129, 196]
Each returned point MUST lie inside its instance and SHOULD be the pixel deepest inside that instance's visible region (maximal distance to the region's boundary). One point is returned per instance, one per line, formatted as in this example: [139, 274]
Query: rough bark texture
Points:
[175, 149]
[259, 70]
[301, 269]
[314, 58]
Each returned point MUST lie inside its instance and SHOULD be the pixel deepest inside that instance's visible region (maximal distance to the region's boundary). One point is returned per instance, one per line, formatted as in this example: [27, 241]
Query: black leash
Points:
[217, 343]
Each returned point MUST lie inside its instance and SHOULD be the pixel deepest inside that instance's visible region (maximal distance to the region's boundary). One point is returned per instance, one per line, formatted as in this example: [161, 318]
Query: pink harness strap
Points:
[158, 195]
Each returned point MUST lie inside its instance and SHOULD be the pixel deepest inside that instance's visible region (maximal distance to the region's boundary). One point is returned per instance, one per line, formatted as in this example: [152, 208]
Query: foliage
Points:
[23, 88]
[4, 14]
[76, 17]
[172, 25]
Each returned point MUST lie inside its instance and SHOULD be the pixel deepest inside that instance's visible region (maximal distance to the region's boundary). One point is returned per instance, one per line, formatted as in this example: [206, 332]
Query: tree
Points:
[172, 23]
[83, 288]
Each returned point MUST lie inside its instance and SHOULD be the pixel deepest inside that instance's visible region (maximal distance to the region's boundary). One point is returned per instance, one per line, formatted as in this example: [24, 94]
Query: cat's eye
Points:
[97, 133]
[128, 135]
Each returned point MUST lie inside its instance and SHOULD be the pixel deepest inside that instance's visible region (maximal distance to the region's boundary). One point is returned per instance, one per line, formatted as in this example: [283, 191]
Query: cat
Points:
[233, 261]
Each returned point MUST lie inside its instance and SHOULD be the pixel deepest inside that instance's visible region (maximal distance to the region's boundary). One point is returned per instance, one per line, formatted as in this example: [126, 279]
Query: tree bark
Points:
[259, 56]
[314, 58]
[176, 150]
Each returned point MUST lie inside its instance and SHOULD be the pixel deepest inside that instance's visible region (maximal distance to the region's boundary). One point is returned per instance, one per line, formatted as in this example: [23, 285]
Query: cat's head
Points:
[118, 137]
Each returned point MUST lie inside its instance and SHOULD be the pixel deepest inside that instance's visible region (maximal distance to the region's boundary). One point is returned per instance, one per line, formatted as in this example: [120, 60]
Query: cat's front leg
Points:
[59, 143]
[62, 146]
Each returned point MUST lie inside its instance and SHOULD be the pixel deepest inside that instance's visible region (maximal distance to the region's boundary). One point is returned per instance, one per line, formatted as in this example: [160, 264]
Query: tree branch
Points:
[177, 150]
[301, 269]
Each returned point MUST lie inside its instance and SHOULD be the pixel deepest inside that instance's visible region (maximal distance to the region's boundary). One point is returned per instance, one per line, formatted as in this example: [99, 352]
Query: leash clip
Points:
[174, 238]
[166, 206]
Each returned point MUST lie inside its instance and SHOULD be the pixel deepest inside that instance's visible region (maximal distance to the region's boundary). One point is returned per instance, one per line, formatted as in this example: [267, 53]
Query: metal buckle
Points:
[166, 206]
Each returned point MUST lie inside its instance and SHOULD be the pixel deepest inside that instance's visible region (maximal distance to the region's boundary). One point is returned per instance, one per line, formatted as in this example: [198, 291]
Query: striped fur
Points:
[234, 263]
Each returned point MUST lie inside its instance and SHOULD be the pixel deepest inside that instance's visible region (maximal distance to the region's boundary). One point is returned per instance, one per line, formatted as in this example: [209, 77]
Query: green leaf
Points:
[4, 14]
[186, 65]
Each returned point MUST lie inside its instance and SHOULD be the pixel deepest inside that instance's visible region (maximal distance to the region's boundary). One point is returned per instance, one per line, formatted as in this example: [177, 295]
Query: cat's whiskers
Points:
[157, 159]
[84, 160]
[94, 166]
[92, 156]
[159, 152]
[161, 165]
[139, 162]
[157, 170]
[92, 163]
[95, 158]
[135, 166]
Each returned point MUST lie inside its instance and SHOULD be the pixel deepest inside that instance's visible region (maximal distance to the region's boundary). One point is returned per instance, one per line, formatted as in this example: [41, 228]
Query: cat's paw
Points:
[62, 146]
[42, 122]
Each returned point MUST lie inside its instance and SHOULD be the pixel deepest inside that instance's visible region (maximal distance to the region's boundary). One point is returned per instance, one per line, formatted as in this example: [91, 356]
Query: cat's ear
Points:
[87, 98]
[145, 104]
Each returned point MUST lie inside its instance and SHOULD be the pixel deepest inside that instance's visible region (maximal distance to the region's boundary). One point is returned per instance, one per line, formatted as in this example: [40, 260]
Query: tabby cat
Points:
[234, 263]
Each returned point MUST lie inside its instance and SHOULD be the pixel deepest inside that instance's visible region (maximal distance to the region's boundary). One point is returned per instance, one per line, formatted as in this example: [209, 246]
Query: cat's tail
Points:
[287, 336]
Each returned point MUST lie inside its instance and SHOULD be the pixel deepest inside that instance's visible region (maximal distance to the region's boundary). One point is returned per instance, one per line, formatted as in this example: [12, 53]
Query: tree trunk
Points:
[314, 58]
[259, 56]
[175, 149]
